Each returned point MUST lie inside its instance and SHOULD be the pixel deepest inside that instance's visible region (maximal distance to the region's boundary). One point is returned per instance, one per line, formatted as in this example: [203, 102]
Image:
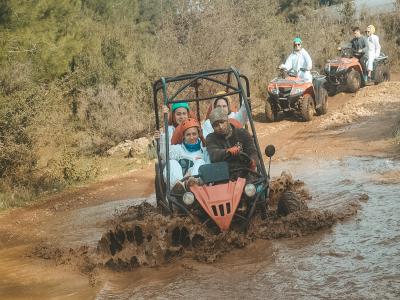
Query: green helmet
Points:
[297, 40]
[181, 104]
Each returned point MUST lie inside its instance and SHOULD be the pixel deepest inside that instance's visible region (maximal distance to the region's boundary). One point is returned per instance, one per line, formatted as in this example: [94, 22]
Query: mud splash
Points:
[141, 236]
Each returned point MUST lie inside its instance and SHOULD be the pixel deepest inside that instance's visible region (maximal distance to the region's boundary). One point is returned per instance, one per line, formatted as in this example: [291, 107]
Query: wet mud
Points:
[142, 236]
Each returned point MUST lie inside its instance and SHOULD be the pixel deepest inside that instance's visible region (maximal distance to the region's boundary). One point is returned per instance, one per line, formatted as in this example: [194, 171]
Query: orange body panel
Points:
[220, 201]
[346, 63]
[291, 82]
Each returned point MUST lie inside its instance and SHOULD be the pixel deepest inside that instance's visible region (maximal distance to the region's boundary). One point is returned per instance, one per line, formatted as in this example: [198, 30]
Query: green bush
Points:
[76, 76]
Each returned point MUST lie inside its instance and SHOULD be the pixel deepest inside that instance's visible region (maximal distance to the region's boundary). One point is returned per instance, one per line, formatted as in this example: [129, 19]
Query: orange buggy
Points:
[225, 196]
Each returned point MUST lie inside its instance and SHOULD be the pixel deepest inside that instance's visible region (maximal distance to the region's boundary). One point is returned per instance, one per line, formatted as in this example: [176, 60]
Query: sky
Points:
[385, 5]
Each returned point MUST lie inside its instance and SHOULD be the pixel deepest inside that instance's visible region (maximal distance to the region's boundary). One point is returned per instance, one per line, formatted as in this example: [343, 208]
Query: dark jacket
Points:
[360, 43]
[217, 144]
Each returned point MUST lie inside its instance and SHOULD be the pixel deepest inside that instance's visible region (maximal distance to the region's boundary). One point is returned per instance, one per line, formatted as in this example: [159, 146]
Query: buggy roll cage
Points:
[193, 82]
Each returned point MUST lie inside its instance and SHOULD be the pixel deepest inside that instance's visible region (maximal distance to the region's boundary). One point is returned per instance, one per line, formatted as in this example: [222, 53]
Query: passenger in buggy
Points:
[187, 153]
[225, 102]
[180, 112]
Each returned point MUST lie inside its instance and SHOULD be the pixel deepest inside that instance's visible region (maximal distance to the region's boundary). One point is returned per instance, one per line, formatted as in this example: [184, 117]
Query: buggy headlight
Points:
[250, 190]
[188, 198]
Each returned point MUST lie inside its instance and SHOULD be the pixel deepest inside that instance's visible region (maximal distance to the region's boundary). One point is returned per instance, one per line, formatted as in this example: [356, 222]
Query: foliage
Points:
[76, 76]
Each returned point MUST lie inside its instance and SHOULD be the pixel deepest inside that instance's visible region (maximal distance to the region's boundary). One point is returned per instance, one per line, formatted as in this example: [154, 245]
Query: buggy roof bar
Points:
[194, 77]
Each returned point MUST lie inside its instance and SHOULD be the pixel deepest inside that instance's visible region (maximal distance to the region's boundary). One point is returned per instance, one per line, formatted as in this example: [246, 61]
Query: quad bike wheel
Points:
[307, 107]
[332, 90]
[353, 81]
[382, 74]
[323, 109]
[270, 113]
[290, 203]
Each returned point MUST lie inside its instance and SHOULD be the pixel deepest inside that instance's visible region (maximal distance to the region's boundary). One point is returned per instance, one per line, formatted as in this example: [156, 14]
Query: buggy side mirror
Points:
[270, 150]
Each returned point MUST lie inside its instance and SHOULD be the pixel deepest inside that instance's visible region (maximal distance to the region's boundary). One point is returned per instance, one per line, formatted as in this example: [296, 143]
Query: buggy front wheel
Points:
[290, 203]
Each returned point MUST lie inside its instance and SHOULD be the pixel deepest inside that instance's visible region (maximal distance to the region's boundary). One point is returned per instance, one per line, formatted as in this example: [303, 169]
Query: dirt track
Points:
[356, 125]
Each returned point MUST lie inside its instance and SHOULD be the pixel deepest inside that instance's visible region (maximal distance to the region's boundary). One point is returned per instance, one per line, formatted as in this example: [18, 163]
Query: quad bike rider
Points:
[222, 197]
[297, 89]
[349, 71]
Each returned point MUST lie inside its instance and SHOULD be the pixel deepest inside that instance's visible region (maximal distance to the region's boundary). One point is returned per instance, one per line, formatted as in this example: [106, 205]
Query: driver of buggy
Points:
[299, 60]
[227, 142]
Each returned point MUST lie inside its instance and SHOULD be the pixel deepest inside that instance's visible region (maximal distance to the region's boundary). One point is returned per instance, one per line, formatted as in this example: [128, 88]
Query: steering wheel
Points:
[242, 158]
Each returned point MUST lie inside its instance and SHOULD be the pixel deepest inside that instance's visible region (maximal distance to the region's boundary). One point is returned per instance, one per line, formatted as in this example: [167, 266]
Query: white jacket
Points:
[374, 47]
[179, 151]
[300, 60]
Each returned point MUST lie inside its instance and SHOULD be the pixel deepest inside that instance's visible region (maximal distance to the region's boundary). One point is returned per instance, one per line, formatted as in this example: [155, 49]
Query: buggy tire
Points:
[353, 81]
[307, 107]
[290, 203]
[270, 113]
[323, 109]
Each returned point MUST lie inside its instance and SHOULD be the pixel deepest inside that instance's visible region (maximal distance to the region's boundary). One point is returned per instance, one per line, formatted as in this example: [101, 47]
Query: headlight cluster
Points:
[296, 91]
[341, 68]
[188, 198]
[250, 190]
[274, 91]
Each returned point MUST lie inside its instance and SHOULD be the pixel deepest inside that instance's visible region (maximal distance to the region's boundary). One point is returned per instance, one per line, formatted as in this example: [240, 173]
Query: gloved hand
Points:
[234, 151]
[253, 165]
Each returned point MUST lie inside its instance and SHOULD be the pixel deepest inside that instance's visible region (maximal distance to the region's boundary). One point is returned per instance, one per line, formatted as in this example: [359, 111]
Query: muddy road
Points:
[348, 161]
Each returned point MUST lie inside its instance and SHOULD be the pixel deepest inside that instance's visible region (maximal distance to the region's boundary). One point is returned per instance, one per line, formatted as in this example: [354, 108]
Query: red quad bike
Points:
[346, 73]
[289, 93]
[231, 193]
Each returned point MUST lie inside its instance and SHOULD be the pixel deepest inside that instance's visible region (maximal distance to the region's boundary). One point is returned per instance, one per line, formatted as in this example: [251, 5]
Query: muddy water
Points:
[356, 259]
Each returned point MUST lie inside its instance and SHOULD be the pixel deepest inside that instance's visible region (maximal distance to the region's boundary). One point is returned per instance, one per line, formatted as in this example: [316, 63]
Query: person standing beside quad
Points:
[299, 60]
[374, 49]
[228, 141]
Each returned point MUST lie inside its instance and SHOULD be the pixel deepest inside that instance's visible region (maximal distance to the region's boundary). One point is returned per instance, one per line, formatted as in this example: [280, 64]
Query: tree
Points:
[5, 12]
[347, 11]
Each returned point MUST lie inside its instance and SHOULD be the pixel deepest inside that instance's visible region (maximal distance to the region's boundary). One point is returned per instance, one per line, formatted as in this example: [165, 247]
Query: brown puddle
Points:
[357, 258]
